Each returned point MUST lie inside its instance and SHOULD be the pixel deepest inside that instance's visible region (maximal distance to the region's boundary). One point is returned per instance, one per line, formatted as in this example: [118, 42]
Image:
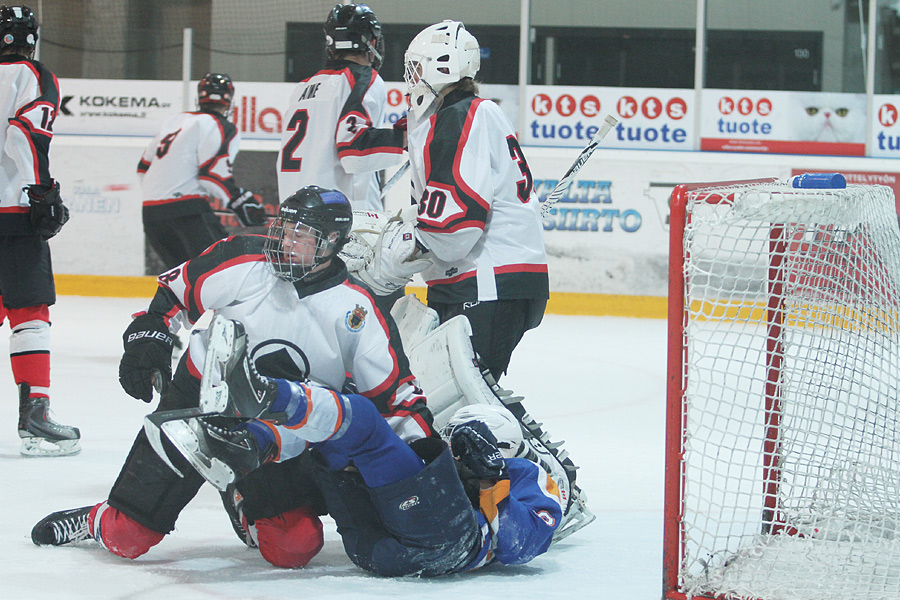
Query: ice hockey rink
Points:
[597, 382]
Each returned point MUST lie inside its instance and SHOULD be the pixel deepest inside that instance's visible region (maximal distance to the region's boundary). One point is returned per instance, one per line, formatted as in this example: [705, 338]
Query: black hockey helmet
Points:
[216, 89]
[312, 226]
[18, 27]
[354, 27]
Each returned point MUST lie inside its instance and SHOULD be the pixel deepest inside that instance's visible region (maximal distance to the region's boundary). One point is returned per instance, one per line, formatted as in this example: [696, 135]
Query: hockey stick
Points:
[228, 213]
[553, 197]
[394, 179]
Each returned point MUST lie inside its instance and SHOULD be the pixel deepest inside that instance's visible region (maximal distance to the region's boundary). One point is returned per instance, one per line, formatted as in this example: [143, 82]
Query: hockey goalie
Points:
[443, 359]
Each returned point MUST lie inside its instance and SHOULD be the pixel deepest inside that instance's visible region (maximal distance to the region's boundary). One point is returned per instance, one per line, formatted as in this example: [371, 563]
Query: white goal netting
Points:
[790, 479]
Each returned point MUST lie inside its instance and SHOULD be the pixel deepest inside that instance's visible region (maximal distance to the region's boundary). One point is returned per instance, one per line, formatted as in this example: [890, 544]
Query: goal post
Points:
[782, 476]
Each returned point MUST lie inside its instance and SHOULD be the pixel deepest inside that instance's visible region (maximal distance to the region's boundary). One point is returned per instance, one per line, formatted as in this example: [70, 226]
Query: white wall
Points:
[609, 234]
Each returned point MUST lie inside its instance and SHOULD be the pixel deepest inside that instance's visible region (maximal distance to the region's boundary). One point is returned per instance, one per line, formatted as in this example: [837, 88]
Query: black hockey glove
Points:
[473, 444]
[48, 213]
[248, 209]
[148, 356]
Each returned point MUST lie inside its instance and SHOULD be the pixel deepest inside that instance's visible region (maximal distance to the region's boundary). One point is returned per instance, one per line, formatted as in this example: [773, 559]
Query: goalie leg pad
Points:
[448, 371]
[414, 320]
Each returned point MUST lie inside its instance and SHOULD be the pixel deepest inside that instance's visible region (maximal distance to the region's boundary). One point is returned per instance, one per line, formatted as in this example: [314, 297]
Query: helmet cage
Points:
[312, 226]
[18, 27]
[439, 56]
[294, 249]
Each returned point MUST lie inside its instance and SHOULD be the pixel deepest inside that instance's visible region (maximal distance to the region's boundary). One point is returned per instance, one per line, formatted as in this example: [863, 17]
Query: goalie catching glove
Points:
[147, 361]
[248, 208]
[383, 252]
[48, 213]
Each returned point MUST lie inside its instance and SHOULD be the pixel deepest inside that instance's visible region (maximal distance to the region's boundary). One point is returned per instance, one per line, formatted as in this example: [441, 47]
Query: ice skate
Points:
[63, 527]
[234, 506]
[41, 435]
[220, 451]
[231, 386]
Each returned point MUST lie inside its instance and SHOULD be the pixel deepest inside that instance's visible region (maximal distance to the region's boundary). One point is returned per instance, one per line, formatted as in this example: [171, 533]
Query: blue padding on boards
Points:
[819, 181]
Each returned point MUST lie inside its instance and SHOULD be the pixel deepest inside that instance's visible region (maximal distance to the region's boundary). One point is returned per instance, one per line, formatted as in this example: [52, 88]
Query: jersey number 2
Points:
[297, 124]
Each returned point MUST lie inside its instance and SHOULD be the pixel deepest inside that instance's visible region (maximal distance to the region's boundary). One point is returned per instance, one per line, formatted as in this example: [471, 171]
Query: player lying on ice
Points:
[304, 319]
[401, 509]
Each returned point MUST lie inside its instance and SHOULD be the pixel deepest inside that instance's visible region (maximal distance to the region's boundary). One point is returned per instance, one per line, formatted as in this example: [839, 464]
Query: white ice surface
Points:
[597, 382]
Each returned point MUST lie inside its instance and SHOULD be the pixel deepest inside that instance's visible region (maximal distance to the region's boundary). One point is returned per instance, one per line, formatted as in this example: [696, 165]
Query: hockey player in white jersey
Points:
[187, 163]
[401, 509]
[304, 320]
[332, 135]
[31, 212]
[478, 233]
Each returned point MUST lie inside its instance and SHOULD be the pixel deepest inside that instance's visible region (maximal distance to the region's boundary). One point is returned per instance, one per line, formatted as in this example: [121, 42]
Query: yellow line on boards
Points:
[561, 303]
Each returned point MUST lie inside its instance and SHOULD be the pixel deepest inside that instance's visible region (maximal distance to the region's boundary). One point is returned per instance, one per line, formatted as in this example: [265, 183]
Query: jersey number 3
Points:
[297, 124]
[523, 186]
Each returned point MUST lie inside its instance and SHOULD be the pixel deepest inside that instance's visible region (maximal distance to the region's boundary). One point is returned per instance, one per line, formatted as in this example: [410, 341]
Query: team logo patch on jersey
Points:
[546, 517]
[409, 503]
[356, 318]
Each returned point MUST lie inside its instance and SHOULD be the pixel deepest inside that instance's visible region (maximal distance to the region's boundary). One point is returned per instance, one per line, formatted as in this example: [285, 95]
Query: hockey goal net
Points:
[782, 442]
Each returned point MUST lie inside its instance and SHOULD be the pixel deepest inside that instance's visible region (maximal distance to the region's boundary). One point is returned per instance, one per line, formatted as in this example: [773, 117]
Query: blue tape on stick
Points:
[819, 181]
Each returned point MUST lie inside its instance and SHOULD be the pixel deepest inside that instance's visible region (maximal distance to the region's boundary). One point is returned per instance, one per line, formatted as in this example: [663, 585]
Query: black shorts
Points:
[179, 238]
[26, 273]
[497, 326]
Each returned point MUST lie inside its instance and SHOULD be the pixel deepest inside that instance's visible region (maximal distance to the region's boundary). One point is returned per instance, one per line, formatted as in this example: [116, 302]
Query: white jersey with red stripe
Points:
[29, 102]
[191, 156]
[477, 211]
[321, 331]
[332, 136]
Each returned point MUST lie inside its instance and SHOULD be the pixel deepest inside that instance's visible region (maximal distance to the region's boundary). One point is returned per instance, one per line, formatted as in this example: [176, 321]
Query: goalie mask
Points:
[215, 89]
[312, 225]
[18, 27]
[354, 27]
[499, 420]
[439, 56]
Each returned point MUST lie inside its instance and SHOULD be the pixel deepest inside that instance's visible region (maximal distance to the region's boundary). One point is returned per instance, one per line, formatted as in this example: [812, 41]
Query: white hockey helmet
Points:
[440, 55]
[499, 420]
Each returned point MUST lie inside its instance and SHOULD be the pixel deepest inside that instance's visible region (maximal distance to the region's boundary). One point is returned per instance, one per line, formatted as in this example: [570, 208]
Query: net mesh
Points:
[792, 339]
[143, 39]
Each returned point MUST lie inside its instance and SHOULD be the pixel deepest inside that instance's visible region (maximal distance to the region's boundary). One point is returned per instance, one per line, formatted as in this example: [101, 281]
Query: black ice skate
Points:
[219, 452]
[231, 385]
[63, 527]
[42, 436]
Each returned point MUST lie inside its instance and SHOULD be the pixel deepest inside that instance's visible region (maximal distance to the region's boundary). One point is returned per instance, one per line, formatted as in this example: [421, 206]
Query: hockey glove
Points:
[48, 213]
[248, 209]
[148, 356]
[473, 444]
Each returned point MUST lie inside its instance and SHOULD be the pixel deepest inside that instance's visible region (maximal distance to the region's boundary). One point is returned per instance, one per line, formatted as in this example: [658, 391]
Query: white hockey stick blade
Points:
[394, 178]
[553, 197]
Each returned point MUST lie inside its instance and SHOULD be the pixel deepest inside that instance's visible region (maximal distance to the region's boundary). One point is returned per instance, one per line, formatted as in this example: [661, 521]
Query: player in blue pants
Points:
[401, 509]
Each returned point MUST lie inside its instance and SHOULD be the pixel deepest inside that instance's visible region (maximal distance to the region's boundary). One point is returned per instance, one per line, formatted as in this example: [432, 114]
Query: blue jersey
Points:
[518, 516]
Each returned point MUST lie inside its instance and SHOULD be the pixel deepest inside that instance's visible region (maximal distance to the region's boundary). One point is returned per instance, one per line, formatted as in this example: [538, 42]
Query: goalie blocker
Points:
[446, 367]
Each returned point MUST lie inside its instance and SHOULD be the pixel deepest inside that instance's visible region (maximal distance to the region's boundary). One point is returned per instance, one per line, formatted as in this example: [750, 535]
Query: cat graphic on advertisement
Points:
[829, 117]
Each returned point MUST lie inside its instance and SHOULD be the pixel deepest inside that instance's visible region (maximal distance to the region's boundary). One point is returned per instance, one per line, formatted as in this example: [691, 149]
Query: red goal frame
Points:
[673, 512]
